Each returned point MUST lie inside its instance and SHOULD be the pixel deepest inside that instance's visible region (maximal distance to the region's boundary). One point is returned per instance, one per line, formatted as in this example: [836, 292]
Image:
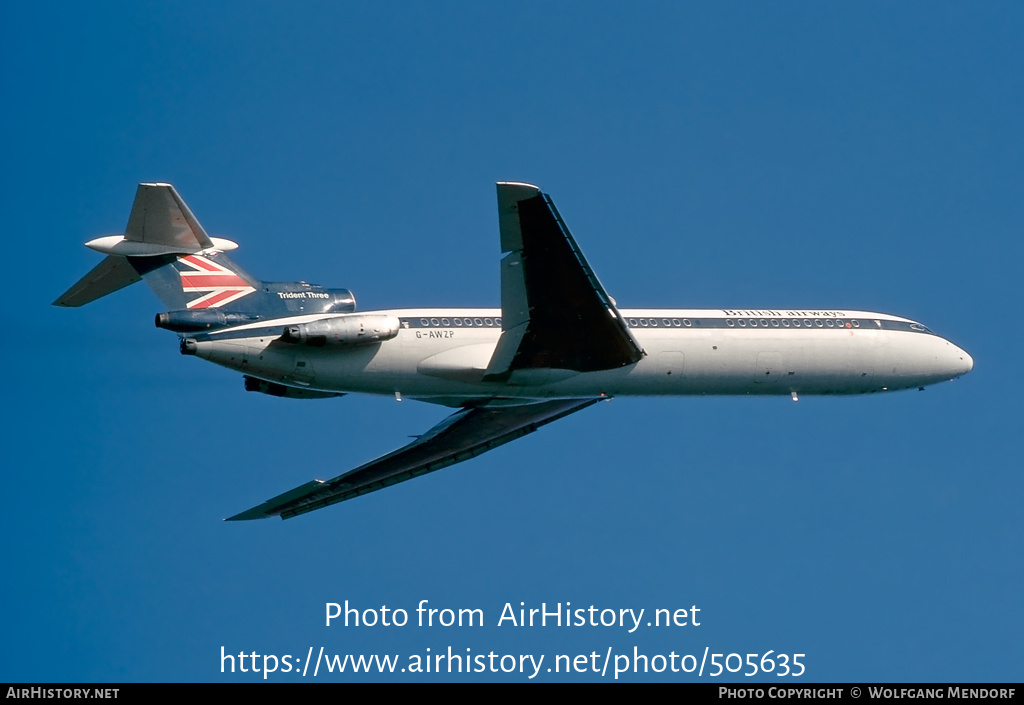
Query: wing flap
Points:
[463, 435]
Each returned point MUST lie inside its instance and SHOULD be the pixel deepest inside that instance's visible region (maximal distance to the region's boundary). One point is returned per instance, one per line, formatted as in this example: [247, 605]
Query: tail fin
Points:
[166, 246]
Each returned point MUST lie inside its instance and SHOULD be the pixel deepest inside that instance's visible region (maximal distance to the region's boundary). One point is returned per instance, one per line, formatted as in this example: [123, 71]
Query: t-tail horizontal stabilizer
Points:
[160, 228]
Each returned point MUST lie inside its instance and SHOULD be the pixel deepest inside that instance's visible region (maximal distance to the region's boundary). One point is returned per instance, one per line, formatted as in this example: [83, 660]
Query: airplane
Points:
[558, 344]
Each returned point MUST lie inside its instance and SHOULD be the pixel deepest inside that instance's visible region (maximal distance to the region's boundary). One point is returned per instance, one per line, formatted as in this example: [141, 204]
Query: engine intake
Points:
[343, 330]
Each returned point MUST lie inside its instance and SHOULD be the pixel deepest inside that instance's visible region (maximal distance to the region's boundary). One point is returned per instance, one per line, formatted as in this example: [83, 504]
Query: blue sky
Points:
[863, 155]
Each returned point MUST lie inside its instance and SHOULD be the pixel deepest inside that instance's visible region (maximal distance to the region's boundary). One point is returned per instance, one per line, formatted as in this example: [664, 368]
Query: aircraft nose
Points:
[960, 361]
[950, 360]
[968, 361]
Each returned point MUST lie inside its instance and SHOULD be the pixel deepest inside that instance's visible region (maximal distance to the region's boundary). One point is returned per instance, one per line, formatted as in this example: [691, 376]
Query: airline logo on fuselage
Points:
[217, 285]
[770, 313]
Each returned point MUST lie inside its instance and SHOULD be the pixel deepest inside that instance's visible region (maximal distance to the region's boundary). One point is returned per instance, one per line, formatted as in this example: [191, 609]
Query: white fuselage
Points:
[441, 355]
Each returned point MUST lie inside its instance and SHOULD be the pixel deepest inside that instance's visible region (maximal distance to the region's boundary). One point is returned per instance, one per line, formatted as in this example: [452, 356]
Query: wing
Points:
[554, 311]
[463, 435]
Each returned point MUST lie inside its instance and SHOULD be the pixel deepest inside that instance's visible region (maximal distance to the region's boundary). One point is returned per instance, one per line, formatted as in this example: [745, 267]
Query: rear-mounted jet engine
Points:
[203, 319]
[342, 330]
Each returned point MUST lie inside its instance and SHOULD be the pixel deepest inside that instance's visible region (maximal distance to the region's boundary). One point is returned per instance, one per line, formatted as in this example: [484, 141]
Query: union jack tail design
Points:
[216, 284]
